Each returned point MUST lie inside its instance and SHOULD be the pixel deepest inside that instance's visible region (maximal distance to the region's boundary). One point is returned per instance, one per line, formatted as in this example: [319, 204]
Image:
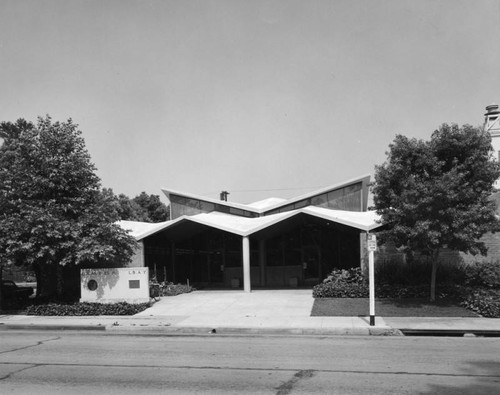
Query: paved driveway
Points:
[236, 304]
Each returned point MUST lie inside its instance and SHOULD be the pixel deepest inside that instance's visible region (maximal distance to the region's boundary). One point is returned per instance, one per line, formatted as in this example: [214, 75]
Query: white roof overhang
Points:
[140, 230]
[363, 221]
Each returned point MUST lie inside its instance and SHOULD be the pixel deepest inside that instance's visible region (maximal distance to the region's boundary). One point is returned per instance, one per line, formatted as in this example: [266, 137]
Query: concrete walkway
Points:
[258, 312]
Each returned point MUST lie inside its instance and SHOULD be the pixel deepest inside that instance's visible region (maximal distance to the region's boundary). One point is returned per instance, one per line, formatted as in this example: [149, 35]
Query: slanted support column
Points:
[246, 264]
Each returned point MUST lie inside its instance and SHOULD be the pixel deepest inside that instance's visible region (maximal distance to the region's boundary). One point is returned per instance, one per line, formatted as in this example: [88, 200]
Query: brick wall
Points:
[491, 240]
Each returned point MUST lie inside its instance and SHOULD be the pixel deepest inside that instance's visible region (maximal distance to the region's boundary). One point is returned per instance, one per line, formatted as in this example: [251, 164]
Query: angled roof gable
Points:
[239, 206]
[365, 180]
[270, 204]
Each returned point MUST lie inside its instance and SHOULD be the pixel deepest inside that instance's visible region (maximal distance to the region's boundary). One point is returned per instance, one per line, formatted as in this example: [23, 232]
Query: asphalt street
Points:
[46, 362]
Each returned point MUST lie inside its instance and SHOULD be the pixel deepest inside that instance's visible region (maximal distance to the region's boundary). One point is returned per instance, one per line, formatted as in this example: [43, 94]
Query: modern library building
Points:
[273, 243]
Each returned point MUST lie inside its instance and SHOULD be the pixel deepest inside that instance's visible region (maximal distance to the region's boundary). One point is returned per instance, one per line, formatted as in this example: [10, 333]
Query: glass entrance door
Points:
[311, 264]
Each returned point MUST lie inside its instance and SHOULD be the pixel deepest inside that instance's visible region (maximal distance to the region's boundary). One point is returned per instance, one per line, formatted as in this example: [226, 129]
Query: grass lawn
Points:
[342, 307]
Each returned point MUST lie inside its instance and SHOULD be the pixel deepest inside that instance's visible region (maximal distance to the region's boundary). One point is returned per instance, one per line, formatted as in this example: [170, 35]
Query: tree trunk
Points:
[1, 287]
[59, 282]
[433, 275]
[38, 276]
[409, 256]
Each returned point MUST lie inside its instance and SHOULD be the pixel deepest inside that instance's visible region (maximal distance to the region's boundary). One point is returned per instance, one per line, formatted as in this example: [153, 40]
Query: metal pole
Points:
[371, 281]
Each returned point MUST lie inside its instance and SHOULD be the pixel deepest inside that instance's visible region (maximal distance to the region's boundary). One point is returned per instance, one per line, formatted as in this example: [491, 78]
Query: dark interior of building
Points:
[297, 252]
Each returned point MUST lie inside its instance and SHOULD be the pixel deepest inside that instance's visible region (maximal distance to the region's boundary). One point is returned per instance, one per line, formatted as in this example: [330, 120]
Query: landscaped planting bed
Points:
[467, 289]
[86, 309]
[414, 307]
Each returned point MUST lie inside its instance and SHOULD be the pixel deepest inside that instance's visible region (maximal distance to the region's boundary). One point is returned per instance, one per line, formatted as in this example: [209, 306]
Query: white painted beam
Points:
[246, 264]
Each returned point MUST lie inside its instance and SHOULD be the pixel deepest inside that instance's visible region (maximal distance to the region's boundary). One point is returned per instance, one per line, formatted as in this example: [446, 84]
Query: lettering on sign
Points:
[137, 272]
[101, 272]
[371, 242]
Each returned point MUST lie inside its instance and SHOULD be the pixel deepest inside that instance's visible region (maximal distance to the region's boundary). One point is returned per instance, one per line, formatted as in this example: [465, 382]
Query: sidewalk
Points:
[198, 325]
[283, 312]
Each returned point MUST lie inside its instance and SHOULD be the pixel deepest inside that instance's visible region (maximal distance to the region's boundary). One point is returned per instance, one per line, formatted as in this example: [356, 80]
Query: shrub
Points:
[346, 290]
[171, 289]
[86, 309]
[342, 283]
[418, 272]
[483, 274]
[392, 272]
[352, 284]
[483, 301]
[340, 290]
[167, 288]
[350, 276]
[417, 291]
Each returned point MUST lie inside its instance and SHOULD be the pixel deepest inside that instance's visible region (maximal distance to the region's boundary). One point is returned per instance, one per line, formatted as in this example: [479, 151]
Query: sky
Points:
[258, 98]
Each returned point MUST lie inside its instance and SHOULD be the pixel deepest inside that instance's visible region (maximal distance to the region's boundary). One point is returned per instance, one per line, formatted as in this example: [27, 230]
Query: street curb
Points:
[264, 331]
[449, 332]
[242, 331]
[172, 330]
[52, 327]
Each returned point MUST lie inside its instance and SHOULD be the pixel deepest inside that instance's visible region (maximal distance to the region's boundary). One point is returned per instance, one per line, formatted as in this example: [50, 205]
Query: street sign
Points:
[372, 242]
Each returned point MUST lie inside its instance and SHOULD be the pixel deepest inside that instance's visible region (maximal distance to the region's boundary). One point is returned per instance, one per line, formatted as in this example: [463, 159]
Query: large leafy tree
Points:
[52, 210]
[155, 210]
[143, 208]
[437, 193]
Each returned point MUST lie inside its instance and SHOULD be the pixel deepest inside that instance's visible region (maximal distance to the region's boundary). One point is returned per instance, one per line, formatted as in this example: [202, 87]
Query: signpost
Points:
[372, 247]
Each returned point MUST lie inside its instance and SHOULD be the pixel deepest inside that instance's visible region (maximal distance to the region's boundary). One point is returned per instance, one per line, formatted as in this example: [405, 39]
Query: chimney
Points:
[491, 120]
[492, 125]
[223, 196]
